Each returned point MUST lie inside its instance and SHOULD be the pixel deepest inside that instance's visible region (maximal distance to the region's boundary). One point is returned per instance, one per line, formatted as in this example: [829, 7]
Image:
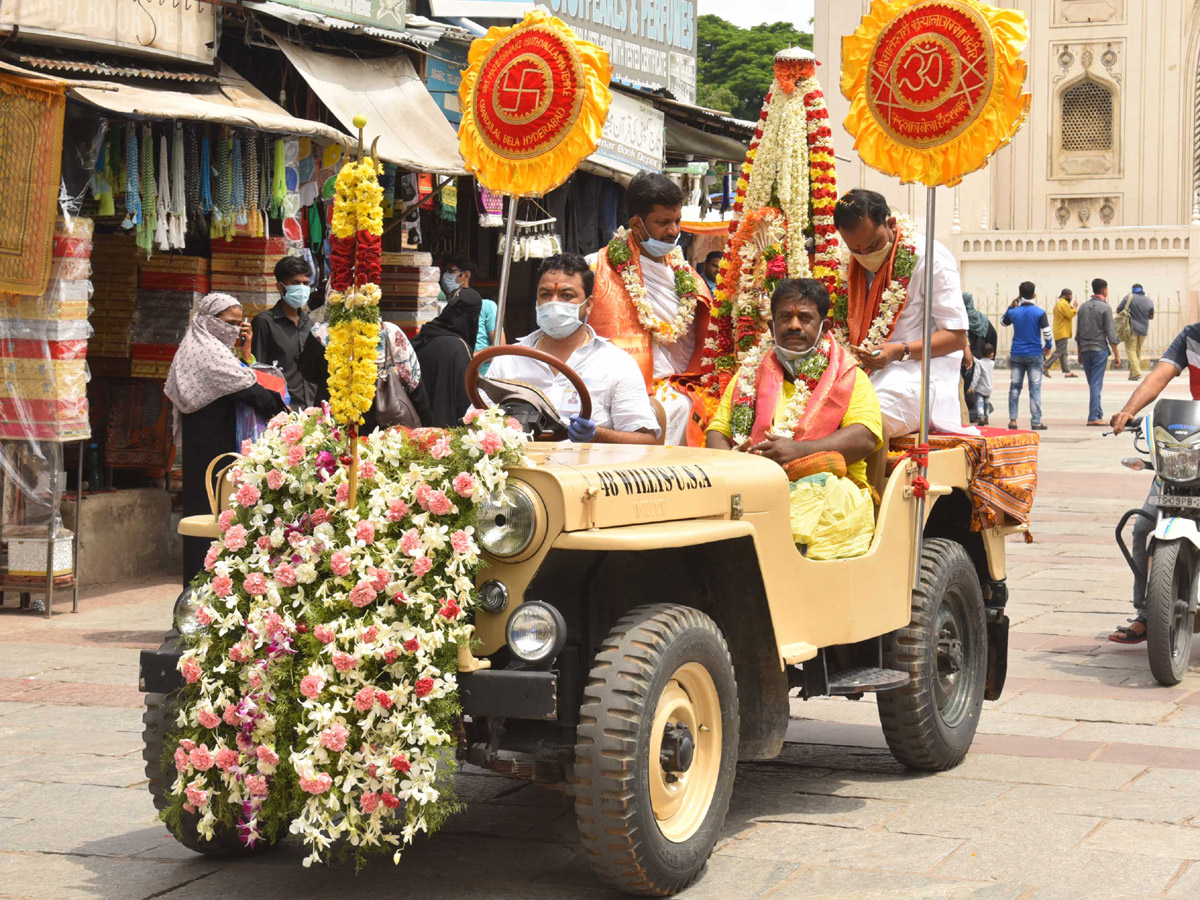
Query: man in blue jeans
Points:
[1096, 331]
[1031, 344]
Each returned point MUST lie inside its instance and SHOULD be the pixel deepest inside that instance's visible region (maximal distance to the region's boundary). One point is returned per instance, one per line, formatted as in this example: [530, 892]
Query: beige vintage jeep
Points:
[645, 616]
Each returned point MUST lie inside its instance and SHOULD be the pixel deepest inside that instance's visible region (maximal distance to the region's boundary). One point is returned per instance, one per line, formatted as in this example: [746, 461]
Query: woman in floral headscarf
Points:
[205, 384]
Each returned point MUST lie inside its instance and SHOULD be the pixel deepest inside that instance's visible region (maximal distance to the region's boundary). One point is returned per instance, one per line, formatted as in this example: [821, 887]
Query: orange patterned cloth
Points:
[1003, 472]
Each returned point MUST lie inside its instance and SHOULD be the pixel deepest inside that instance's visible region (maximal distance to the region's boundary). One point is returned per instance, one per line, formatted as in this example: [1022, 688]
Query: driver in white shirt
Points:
[621, 411]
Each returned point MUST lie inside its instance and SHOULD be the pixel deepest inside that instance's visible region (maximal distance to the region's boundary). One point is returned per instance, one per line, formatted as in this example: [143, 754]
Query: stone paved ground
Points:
[1083, 782]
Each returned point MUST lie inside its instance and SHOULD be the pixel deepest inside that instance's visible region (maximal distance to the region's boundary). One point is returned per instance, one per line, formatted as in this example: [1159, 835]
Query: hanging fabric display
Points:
[162, 205]
[177, 227]
[149, 223]
[237, 183]
[252, 187]
[102, 178]
[448, 202]
[133, 191]
[222, 219]
[491, 205]
[192, 174]
[206, 191]
[278, 180]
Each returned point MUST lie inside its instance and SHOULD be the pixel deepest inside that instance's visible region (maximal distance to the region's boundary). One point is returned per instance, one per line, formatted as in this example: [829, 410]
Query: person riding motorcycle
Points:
[1184, 353]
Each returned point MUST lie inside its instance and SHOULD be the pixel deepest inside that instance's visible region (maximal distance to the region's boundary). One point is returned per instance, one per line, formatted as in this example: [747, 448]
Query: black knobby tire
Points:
[655, 659]
[1169, 616]
[157, 722]
[930, 722]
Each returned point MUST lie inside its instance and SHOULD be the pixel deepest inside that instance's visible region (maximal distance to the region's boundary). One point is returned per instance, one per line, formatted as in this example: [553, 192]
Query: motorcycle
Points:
[1171, 432]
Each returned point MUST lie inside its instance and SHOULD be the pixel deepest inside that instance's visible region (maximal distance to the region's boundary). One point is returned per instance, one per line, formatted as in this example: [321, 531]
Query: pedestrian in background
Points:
[1095, 332]
[1031, 345]
[981, 334]
[283, 336]
[1064, 319]
[712, 268]
[1136, 310]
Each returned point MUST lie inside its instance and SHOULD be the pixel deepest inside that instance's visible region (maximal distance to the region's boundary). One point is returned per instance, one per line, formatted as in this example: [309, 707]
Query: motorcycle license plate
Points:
[1175, 502]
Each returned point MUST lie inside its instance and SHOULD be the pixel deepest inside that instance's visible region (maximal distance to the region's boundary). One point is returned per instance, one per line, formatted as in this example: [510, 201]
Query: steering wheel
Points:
[472, 377]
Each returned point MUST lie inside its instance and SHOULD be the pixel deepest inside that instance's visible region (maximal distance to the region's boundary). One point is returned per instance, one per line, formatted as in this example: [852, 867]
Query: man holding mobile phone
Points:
[282, 336]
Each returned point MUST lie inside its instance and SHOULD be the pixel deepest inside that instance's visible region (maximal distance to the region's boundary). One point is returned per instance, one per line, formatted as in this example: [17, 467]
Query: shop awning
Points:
[684, 140]
[413, 132]
[233, 101]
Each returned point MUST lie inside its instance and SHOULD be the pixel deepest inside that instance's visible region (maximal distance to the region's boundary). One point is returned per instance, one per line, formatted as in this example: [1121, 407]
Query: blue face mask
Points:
[654, 248]
[449, 283]
[296, 295]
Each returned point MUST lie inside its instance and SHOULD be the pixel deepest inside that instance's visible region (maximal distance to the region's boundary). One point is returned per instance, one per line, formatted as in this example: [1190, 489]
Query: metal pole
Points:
[926, 339]
[510, 229]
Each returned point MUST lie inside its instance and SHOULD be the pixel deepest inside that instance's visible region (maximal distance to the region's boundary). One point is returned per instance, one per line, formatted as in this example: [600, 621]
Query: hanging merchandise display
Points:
[177, 228]
[534, 240]
[104, 178]
[782, 221]
[149, 223]
[491, 207]
[162, 206]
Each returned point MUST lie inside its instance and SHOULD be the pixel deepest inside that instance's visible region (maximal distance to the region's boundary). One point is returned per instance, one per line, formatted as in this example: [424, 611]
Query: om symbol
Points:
[917, 70]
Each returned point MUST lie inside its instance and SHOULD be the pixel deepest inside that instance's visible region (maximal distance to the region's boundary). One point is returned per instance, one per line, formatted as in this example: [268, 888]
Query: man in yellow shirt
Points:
[1064, 315]
[803, 402]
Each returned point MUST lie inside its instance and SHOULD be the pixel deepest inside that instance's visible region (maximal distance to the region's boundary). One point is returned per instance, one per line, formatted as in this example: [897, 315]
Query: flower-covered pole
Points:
[355, 265]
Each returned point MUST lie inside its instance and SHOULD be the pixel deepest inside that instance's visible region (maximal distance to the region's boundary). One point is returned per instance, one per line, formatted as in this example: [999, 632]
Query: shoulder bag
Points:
[393, 406]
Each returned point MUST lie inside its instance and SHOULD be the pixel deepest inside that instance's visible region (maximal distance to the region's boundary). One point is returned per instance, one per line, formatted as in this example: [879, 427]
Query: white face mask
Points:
[873, 262]
[559, 319]
[792, 359]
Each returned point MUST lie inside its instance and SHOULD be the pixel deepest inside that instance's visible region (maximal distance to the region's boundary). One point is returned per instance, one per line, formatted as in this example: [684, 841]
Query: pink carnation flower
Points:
[257, 785]
[292, 433]
[204, 615]
[285, 575]
[187, 745]
[191, 671]
[362, 594]
[421, 566]
[248, 495]
[295, 456]
[255, 584]
[334, 738]
[340, 564]
[296, 539]
[423, 495]
[263, 543]
[397, 510]
[224, 520]
[343, 492]
[208, 718]
[197, 797]
[267, 756]
[324, 634]
[274, 479]
[412, 645]
[318, 785]
[490, 442]
[277, 420]
[368, 803]
[230, 716]
[464, 484]
[471, 416]
[380, 579]
[370, 634]
[410, 541]
[451, 610]
[181, 759]
[439, 503]
[365, 532]
[211, 557]
[344, 662]
[367, 470]
[384, 699]
[401, 764]
[235, 538]
[364, 699]
[460, 541]
[320, 516]
[222, 585]
[391, 656]
[201, 758]
[441, 449]
[225, 759]
[247, 447]
[310, 686]
[240, 653]
[423, 687]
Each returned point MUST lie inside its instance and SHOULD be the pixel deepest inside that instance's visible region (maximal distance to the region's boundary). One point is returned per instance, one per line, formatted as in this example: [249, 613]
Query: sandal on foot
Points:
[1129, 634]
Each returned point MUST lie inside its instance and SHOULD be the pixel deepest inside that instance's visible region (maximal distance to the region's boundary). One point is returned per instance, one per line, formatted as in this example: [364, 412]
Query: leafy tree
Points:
[740, 61]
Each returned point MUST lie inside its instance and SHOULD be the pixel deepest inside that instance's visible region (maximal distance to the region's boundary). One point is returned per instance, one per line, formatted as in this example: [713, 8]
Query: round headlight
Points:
[507, 522]
[493, 596]
[536, 632]
[186, 607]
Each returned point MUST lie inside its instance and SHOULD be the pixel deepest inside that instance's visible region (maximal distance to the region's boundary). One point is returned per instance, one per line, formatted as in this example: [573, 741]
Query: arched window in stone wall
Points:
[1087, 118]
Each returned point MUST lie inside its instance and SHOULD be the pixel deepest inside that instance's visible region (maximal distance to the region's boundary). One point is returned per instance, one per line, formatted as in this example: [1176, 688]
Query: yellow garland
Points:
[945, 164]
[351, 354]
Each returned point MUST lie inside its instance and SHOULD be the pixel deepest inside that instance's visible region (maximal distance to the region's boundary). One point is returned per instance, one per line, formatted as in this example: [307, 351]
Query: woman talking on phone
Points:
[209, 376]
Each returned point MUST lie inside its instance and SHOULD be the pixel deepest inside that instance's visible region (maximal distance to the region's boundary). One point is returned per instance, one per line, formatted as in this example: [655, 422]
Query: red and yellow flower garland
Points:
[356, 255]
[723, 346]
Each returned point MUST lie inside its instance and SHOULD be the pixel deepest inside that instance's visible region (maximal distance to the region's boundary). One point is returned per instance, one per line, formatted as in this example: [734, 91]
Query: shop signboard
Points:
[179, 30]
[634, 135]
[443, 74]
[379, 13]
[649, 42]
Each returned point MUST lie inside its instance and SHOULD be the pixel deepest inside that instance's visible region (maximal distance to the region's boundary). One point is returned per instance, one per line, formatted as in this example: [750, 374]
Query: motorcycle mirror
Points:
[1136, 463]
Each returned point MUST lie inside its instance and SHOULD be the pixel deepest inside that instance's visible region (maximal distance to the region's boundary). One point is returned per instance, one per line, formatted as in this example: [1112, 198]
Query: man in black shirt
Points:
[283, 336]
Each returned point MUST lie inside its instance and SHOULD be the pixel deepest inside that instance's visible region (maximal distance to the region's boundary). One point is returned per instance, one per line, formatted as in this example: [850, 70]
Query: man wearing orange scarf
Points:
[654, 306]
[804, 403]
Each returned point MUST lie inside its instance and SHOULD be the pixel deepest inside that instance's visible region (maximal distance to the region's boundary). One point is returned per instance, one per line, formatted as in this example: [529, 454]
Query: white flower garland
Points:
[661, 331]
[793, 410]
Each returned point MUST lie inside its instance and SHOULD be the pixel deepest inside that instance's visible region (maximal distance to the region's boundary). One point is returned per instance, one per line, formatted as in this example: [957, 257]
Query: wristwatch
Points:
[907, 354]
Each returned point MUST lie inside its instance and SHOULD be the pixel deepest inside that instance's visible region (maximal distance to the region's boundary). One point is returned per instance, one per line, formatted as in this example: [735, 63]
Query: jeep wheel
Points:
[930, 723]
[1170, 617]
[156, 724]
[657, 749]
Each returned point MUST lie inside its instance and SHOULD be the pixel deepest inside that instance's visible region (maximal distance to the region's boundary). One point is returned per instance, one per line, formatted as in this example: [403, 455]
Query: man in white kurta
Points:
[871, 234]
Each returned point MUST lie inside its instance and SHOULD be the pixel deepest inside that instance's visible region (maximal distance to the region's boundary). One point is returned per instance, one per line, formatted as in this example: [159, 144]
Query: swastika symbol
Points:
[515, 94]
